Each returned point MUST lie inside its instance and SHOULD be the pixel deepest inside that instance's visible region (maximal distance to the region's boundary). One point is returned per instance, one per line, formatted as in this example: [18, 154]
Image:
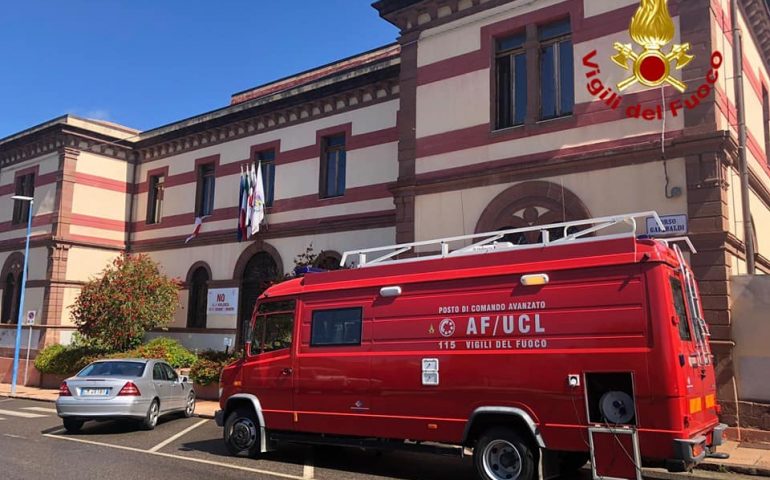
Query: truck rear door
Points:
[694, 354]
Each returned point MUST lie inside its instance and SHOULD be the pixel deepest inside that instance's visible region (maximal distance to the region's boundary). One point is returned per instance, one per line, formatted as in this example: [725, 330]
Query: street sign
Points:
[228, 342]
[31, 315]
[675, 225]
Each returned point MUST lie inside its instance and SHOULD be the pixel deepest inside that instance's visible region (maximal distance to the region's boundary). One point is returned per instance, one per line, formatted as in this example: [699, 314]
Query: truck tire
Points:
[241, 432]
[502, 454]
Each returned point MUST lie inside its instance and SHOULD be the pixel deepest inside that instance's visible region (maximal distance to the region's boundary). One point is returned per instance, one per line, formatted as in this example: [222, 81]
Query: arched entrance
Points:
[256, 270]
[11, 285]
[530, 204]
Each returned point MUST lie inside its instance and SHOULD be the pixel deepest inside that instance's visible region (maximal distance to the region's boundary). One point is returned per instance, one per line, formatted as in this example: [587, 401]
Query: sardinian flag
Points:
[196, 229]
[258, 211]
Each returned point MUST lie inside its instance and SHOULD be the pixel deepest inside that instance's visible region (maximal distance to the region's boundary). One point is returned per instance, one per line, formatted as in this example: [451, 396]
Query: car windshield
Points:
[113, 369]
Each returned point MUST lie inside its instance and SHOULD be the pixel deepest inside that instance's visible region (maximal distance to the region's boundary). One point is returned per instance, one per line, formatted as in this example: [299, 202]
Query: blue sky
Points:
[145, 63]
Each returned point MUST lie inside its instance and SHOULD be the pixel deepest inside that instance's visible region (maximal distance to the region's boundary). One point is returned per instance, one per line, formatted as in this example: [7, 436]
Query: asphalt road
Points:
[33, 445]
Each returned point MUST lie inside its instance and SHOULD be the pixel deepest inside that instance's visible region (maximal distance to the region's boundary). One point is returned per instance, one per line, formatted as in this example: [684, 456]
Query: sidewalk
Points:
[203, 408]
[749, 461]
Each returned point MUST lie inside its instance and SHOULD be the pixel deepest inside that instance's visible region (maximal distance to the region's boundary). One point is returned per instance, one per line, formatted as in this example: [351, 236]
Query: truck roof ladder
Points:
[579, 231]
[696, 309]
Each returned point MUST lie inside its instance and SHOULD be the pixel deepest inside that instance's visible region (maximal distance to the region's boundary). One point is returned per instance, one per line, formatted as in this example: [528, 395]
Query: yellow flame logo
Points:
[652, 28]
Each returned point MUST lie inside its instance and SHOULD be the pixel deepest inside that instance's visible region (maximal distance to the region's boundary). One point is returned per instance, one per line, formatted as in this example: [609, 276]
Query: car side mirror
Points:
[184, 379]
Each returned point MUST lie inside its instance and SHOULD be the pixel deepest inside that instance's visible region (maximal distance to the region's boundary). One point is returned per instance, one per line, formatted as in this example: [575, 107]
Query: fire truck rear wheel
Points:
[502, 454]
[241, 432]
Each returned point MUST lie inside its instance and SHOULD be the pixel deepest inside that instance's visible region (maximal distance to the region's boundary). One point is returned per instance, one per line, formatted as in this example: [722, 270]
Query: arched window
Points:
[11, 285]
[532, 204]
[328, 260]
[196, 313]
[11, 293]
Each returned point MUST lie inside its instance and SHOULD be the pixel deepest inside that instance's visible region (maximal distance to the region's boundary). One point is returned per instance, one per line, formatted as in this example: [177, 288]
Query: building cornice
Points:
[56, 136]
[266, 114]
[757, 15]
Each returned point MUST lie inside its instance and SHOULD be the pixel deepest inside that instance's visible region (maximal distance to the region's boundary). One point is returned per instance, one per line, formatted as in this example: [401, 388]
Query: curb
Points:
[735, 468]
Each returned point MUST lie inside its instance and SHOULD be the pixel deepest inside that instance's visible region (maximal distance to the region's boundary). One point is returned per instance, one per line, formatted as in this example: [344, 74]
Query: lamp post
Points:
[23, 286]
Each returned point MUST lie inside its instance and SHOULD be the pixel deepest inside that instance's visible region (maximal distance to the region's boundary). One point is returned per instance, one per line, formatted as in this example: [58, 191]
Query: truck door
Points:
[694, 352]
[332, 389]
[268, 372]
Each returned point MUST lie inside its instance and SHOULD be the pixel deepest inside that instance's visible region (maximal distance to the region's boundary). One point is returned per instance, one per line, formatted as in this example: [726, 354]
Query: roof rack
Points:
[591, 230]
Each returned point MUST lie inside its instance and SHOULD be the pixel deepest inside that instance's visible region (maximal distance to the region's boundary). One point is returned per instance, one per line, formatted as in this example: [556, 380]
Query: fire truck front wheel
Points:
[241, 432]
[502, 454]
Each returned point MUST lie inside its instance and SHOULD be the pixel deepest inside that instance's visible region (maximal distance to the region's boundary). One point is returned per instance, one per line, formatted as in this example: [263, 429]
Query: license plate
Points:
[94, 392]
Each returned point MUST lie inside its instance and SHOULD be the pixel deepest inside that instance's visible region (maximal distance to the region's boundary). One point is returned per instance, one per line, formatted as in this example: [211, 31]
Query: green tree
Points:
[131, 297]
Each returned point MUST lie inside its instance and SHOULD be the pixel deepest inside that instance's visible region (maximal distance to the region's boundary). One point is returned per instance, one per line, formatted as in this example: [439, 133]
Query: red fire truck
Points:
[587, 342]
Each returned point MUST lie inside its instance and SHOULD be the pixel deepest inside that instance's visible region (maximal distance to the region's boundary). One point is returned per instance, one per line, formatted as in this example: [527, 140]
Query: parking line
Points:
[13, 413]
[178, 457]
[40, 409]
[308, 470]
[174, 437]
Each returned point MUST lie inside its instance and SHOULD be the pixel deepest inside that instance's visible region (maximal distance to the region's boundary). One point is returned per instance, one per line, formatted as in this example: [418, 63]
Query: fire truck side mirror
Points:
[247, 349]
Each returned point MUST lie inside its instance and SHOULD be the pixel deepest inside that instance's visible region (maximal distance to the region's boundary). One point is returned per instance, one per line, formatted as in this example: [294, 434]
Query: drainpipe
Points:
[132, 194]
[748, 230]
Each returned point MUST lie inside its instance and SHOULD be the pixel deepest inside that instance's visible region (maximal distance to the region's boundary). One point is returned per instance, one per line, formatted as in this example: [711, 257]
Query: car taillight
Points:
[64, 390]
[129, 390]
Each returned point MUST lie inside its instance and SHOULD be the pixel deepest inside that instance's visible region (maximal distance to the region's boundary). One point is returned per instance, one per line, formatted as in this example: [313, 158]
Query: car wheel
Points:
[241, 432]
[189, 406]
[501, 454]
[72, 425]
[151, 419]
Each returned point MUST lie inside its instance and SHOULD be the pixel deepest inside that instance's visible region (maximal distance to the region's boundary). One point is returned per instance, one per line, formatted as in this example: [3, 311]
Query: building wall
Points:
[371, 150]
[756, 78]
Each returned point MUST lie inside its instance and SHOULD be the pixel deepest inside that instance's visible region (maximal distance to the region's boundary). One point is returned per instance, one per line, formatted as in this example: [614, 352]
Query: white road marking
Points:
[174, 437]
[12, 436]
[12, 413]
[40, 409]
[177, 457]
[308, 471]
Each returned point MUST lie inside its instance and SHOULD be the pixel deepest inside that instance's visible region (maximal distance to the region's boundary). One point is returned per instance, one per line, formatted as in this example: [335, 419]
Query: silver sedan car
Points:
[139, 389]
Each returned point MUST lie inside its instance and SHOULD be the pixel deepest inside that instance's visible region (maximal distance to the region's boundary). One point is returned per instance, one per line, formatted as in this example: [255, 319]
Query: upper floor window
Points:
[526, 96]
[25, 186]
[266, 159]
[333, 167]
[511, 65]
[204, 200]
[155, 199]
[557, 82]
[766, 122]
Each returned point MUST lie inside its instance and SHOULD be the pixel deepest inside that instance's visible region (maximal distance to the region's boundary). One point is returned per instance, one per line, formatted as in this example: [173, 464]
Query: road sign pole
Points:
[29, 347]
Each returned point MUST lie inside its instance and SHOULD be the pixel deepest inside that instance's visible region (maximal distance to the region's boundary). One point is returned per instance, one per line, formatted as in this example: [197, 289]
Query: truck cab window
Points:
[273, 327]
[341, 326]
[681, 310]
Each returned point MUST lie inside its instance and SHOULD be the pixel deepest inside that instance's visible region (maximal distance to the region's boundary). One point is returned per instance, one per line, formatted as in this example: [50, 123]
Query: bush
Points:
[169, 350]
[66, 360]
[210, 363]
[131, 297]
[161, 348]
